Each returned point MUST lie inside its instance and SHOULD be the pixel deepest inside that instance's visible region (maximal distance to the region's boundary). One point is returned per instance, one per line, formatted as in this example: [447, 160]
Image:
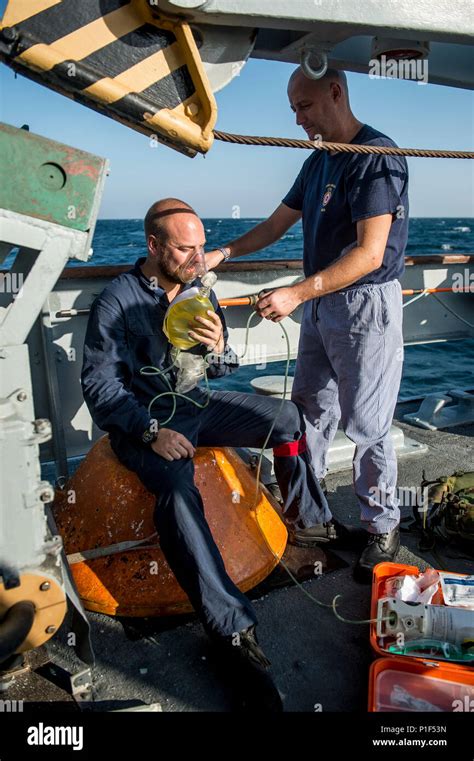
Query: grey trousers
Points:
[349, 367]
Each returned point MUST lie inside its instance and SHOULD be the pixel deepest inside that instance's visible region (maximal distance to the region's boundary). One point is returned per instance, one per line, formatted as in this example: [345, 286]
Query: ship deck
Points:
[318, 662]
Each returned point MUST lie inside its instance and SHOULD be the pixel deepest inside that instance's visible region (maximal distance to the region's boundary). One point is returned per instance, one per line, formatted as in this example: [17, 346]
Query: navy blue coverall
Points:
[124, 334]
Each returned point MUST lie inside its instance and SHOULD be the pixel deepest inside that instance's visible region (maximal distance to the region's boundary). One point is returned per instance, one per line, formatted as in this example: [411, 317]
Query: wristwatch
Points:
[150, 434]
[225, 252]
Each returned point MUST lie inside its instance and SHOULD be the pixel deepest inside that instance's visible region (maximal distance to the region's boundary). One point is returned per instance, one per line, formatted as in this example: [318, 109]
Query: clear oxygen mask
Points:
[182, 311]
[193, 267]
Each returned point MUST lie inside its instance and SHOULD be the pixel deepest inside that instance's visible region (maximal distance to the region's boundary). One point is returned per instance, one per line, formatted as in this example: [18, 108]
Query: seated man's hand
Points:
[172, 445]
[208, 331]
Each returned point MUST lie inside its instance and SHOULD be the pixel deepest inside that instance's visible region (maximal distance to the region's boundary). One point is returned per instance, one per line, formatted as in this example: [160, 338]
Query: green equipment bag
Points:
[448, 510]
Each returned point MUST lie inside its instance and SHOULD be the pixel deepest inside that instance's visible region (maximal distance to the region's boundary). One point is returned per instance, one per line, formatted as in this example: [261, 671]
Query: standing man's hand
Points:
[172, 445]
[278, 304]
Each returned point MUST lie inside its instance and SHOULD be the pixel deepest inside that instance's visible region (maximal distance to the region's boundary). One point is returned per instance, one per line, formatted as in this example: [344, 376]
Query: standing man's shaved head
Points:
[322, 105]
[331, 76]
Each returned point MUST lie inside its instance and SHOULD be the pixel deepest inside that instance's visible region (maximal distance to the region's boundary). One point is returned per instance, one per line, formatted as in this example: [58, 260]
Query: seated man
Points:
[125, 334]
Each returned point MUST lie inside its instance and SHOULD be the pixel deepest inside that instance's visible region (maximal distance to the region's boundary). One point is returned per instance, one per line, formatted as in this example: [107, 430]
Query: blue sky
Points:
[255, 179]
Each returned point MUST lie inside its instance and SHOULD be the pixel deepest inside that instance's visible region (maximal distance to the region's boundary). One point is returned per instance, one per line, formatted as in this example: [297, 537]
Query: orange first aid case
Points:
[412, 683]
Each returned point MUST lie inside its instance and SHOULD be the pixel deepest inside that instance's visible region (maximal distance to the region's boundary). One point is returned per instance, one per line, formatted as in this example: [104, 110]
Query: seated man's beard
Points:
[169, 271]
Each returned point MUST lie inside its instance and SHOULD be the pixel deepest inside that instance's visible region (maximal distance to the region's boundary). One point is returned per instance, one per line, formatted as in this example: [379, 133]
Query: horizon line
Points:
[112, 219]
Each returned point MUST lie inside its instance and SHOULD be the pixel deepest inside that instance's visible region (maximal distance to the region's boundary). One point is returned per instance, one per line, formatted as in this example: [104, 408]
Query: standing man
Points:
[354, 210]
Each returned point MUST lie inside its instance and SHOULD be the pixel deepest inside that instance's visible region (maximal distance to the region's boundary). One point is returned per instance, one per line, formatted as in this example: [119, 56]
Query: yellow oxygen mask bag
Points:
[191, 303]
[179, 320]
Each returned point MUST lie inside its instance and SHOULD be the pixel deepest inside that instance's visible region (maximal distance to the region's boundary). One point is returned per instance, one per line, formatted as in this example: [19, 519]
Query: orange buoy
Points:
[105, 516]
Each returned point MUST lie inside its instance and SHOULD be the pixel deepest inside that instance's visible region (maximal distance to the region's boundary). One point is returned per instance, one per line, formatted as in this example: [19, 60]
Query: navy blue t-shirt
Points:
[334, 192]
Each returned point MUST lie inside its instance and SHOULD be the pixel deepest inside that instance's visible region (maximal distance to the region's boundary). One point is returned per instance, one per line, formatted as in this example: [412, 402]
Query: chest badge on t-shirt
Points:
[328, 191]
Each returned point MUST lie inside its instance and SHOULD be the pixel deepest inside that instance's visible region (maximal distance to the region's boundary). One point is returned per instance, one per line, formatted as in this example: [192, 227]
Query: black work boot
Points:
[248, 667]
[381, 548]
[336, 535]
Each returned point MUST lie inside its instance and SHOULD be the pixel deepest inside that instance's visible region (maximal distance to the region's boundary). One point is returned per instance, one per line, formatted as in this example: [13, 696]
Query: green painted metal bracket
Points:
[48, 180]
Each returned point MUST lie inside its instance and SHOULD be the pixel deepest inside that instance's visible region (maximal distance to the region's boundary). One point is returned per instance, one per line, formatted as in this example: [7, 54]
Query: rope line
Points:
[384, 150]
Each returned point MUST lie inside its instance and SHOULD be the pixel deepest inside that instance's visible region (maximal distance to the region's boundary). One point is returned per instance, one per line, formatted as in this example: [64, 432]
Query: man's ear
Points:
[336, 91]
[153, 245]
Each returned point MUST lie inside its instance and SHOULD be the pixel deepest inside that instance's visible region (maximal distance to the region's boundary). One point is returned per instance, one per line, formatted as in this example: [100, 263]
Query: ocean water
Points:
[427, 368]
[119, 241]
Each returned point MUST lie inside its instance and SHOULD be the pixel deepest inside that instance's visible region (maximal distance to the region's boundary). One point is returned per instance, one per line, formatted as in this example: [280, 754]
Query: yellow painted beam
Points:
[138, 77]
[21, 10]
[85, 40]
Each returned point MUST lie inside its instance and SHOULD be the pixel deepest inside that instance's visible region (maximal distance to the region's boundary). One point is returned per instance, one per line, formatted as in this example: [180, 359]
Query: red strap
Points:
[291, 449]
